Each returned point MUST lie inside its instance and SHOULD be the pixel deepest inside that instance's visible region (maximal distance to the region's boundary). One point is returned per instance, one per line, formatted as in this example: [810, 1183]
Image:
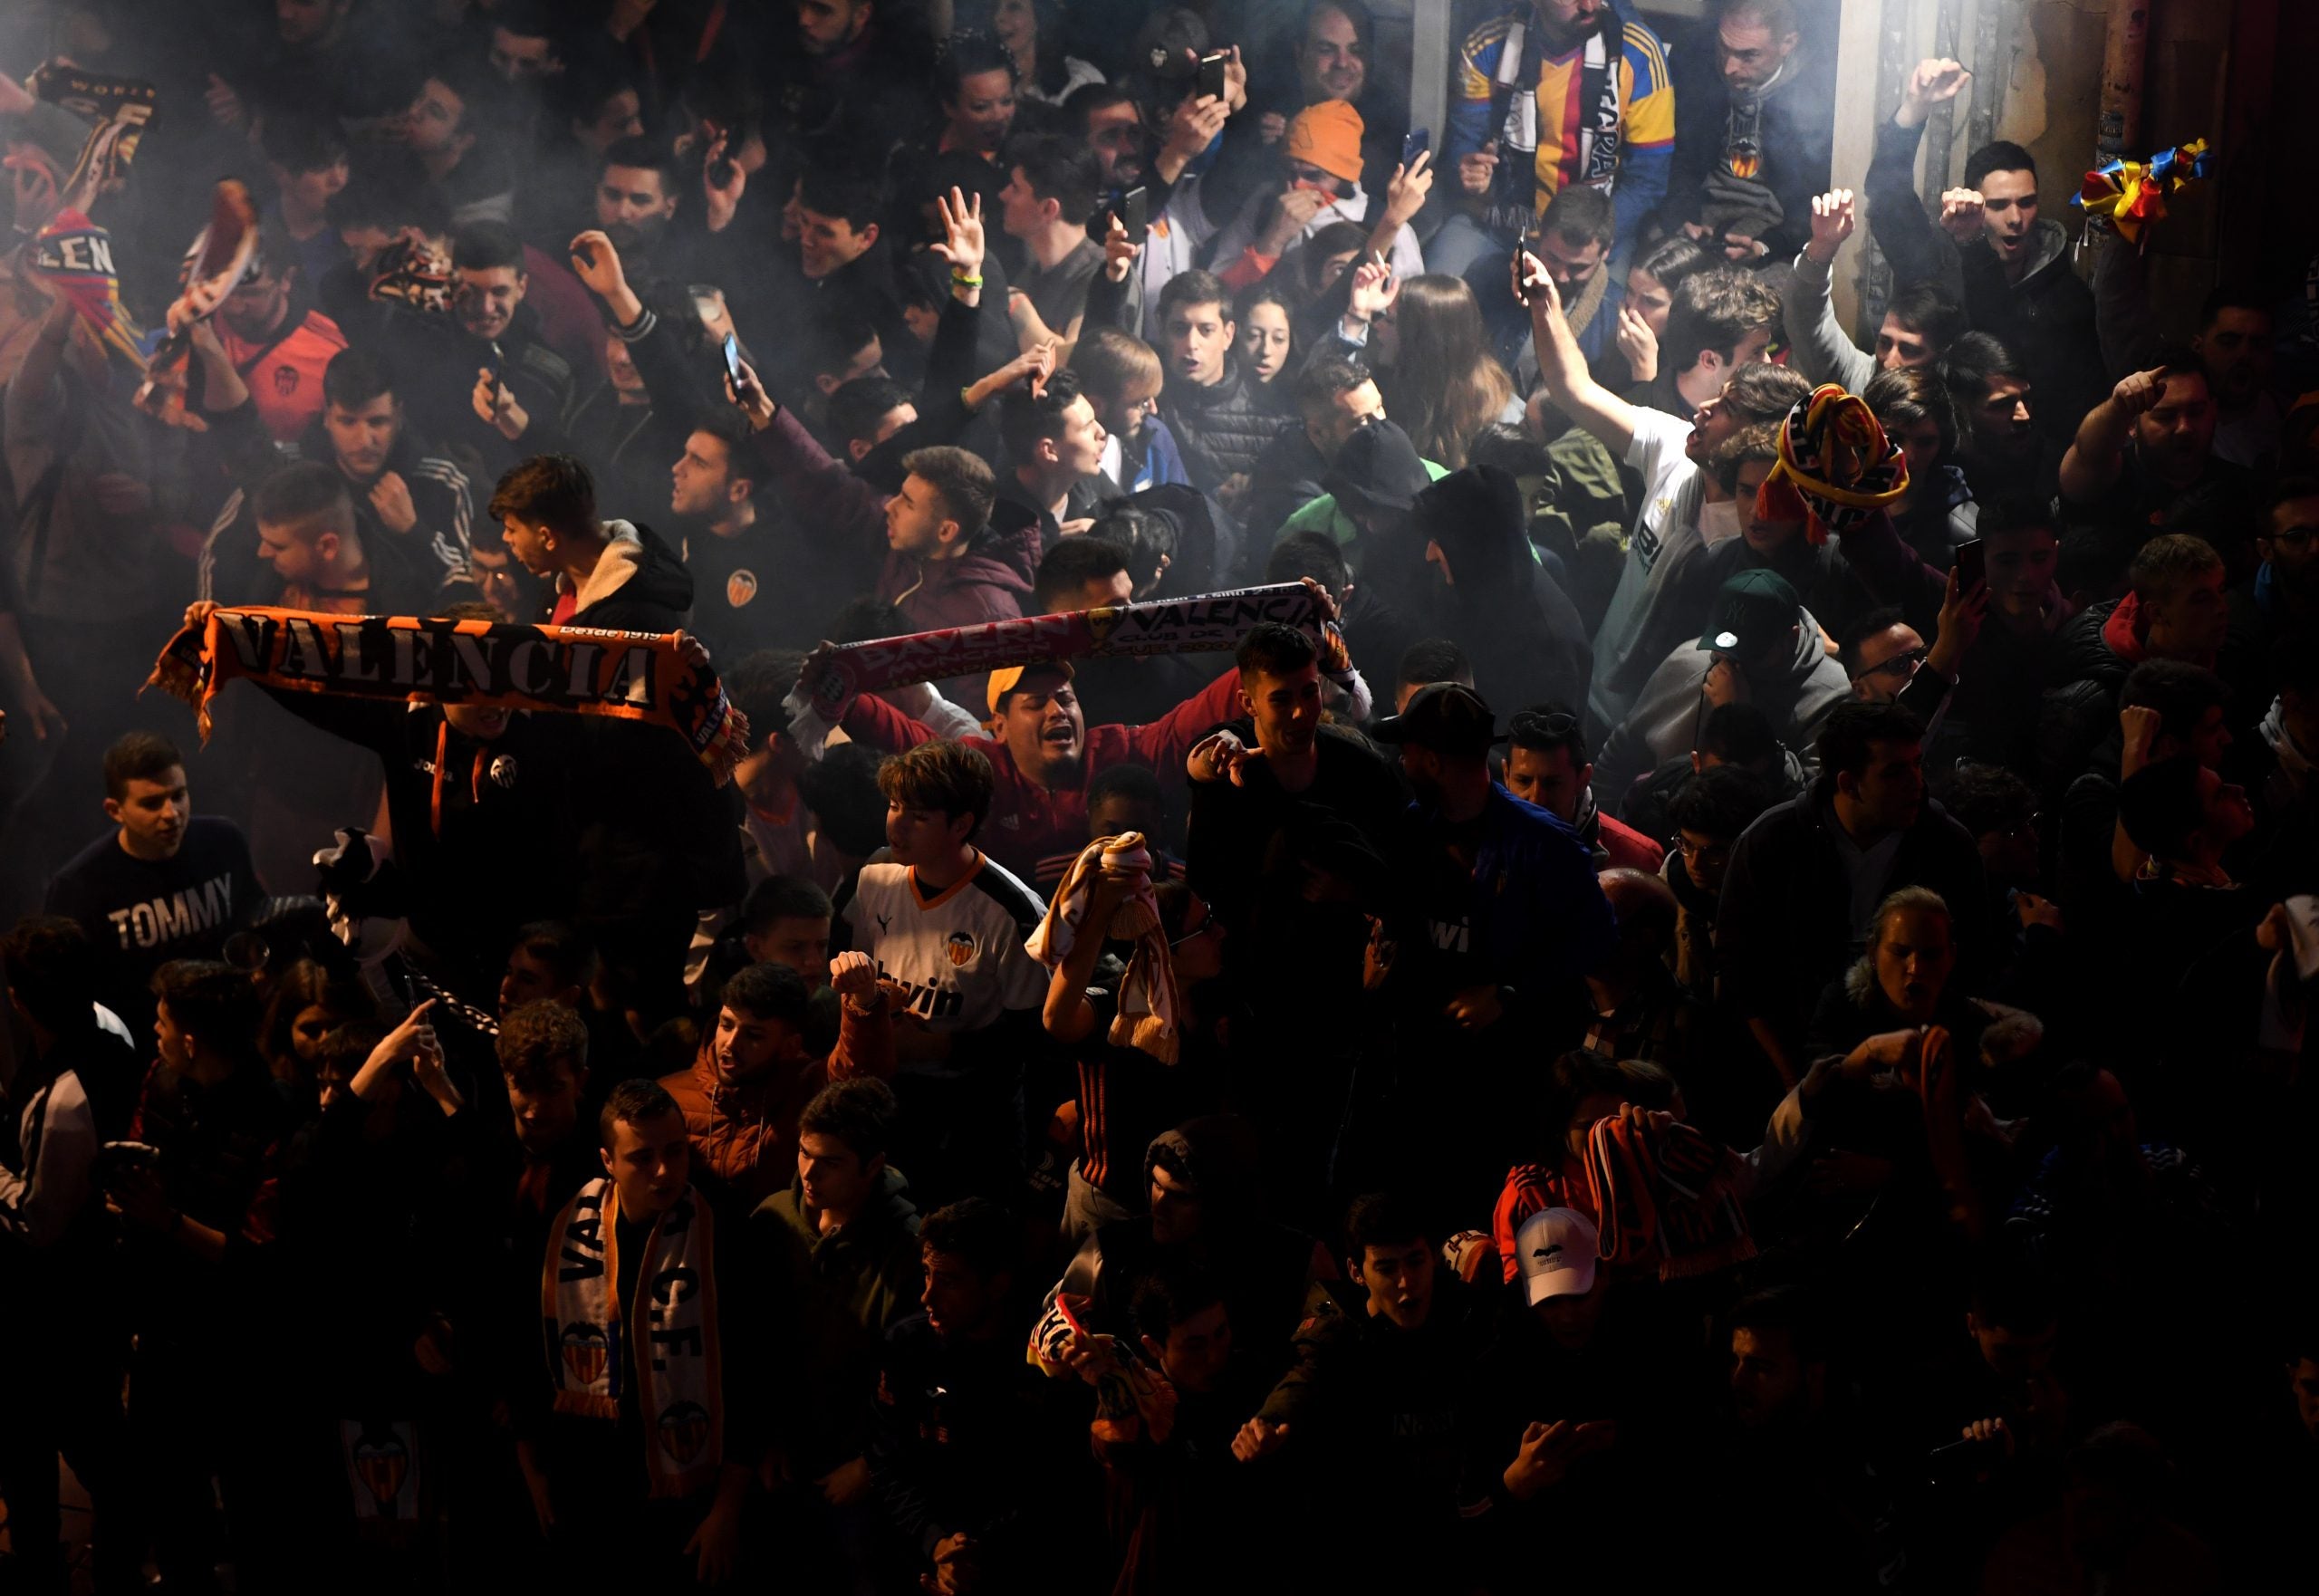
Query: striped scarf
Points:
[1149, 1003]
[676, 1362]
[1663, 1194]
[1836, 468]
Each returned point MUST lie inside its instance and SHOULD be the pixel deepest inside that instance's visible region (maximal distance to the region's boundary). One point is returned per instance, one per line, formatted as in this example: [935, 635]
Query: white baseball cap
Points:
[1557, 1248]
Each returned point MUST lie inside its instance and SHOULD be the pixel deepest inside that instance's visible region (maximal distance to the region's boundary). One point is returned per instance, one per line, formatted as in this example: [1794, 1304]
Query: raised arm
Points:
[1916, 249]
[1822, 352]
[1562, 365]
[1165, 741]
[2097, 455]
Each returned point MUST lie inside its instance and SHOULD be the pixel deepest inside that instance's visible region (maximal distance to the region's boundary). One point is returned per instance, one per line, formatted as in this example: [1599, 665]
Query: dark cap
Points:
[1753, 608]
[1448, 718]
[1377, 469]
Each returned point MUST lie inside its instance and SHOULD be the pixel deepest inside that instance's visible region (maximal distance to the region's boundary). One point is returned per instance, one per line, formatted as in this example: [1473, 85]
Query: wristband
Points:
[960, 280]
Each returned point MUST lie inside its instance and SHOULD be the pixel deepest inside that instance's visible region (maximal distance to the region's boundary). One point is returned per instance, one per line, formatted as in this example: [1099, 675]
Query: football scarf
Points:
[414, 272]
[2132, 194]
[676, 1362]
[1161, 626]
[213, 267]
[1836, 468]
[119, 107]
[74, 257]
[1148, 1000]
[1662, 1195]
[629, 676]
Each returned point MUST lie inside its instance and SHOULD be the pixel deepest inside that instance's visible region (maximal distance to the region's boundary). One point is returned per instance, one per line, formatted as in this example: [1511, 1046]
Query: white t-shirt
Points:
[959, 954]
[1671, 510]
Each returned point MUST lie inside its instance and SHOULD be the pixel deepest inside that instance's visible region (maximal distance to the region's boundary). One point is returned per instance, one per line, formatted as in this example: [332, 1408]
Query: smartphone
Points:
[731, 348]
[1415, 144]
[497, 359]
[1136, 215]
[130, 1155]
[1972, 565]
[1211, 72]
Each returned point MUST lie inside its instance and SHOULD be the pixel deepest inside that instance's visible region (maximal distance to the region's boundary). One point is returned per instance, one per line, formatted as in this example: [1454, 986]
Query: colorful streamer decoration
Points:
[2131, 194]
[74, 255]
[1836, 466]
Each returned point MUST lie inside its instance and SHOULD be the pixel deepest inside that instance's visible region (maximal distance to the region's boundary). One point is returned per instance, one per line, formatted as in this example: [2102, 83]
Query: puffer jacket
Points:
[1223, 428]
[2086, 675]
[746, 1130]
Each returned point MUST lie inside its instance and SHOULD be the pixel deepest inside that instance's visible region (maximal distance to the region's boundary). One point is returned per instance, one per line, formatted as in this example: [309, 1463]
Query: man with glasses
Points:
[1550, 765]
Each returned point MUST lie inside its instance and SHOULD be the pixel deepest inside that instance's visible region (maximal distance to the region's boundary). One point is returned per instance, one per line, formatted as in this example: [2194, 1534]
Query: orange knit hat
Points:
[1328, 136]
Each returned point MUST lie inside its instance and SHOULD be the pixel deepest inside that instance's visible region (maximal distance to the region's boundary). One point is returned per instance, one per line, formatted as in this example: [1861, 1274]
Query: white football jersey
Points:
[959, 954]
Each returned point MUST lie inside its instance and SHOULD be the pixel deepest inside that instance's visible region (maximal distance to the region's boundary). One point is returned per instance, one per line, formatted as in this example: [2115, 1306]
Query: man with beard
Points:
[1755, 129]
[2144, 458]
[1587, 100]
[278, 342]
[402, 494]
[2281, 603]
[713, 496]
[638, 189]
[1999, 444]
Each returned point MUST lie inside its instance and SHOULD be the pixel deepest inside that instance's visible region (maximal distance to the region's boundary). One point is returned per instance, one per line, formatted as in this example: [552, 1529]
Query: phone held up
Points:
[1211, 72]
[1135, 214]
[1414, 144]
[1972, 565]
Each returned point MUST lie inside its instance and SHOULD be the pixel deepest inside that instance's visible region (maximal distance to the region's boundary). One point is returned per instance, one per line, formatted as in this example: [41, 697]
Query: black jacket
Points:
[2080, 711]
[1515, 622]
[1222, 428]
[1784, 927]
[640, 585]
[2047, 316]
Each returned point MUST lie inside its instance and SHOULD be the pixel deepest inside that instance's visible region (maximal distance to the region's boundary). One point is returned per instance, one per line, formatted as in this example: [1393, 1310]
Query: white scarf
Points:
[677, 1360]
[1147, 1001]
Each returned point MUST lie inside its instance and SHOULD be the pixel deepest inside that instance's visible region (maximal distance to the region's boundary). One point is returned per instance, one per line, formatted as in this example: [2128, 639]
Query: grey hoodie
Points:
[1668, 713]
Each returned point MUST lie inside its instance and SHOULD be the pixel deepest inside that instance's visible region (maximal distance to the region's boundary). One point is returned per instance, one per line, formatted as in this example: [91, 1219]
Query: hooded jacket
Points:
[1221, 429]
[2046, 314]
[986, 582]
[639, 584]
[746, 1130]
[2092, 657]
[1798, 695]
[866, 1271]
[1515, 622]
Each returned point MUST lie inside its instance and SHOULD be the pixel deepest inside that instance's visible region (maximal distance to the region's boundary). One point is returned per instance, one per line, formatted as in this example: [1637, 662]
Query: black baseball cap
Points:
[1448, 718]
[1753, 608]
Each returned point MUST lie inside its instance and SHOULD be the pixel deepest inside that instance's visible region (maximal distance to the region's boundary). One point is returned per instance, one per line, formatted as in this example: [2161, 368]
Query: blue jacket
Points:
[1534, 914]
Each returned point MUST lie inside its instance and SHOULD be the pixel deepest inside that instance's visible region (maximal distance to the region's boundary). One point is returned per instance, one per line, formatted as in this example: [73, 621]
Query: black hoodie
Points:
[1515, 622]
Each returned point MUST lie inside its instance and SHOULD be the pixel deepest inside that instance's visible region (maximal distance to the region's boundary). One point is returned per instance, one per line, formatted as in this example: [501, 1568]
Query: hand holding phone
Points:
[1211, 72]
[1136, 214]
[1415, 143]
[1972, 565]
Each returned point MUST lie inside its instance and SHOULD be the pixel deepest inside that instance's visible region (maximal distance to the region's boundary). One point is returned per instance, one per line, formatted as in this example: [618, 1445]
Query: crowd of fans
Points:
[1679, 1039]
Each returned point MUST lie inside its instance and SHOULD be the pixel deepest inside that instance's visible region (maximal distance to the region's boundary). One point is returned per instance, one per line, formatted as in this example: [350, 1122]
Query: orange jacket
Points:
[746, 1130]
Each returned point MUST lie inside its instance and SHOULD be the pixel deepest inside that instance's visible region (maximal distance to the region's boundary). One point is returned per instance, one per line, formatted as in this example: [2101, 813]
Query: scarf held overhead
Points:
[632, 675]
[676, 1362]
[1836, 467]
[1147, 1001]
[1161, 626]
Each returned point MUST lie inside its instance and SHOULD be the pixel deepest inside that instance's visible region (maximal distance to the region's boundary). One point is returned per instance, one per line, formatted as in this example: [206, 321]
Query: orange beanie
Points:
[1328, 136]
